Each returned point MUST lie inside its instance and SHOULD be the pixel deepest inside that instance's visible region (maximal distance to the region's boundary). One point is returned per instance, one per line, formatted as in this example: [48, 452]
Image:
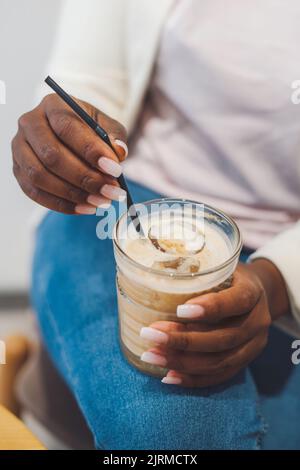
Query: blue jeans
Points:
[73, 293]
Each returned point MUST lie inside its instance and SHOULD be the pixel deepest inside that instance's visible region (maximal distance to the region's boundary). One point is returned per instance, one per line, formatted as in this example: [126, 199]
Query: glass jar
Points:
[147, 295]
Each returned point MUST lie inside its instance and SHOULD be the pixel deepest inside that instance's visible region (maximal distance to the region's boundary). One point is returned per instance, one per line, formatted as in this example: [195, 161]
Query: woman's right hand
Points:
[62, 164]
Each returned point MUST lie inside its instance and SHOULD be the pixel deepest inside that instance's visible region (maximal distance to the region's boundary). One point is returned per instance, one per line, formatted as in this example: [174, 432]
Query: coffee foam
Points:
[216, 251]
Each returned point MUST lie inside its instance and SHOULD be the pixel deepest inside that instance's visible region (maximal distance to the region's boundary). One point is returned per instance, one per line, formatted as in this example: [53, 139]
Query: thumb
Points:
[117, 133]
[120, 148]
[118, 137]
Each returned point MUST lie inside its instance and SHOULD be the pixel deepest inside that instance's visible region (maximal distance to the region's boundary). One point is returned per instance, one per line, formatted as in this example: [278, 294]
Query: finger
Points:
[48, 200]
[236, 300]
[193, 381]
[198, 337]
[81, 139]
[116, 131]
[37, 175]
[193, 337]
[207, 363]
[59, 160]
[205, 367]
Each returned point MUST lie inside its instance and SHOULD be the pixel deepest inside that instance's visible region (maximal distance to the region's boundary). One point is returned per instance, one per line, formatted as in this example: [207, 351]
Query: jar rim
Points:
[171, 275]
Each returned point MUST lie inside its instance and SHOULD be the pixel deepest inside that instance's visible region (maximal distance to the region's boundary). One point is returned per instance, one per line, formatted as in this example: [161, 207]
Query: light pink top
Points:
[219, 125]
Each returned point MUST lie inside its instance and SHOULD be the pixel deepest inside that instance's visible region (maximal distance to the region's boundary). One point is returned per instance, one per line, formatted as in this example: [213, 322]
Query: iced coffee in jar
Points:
[184, 249]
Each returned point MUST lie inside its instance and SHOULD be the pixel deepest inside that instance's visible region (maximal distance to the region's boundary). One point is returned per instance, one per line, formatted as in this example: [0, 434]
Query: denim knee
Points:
[160, 417]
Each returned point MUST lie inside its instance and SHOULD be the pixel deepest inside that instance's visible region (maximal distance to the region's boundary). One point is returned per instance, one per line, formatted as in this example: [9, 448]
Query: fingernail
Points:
[104, 205]
[151, 334]
[171, 380]
[98, 201]
[154, 359]
[85, 209]
[110, 167]
[122, 144]
[190, 311]
[113, 192]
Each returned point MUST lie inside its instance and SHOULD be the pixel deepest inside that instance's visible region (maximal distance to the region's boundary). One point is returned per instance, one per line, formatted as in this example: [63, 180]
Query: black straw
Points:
[104, 136]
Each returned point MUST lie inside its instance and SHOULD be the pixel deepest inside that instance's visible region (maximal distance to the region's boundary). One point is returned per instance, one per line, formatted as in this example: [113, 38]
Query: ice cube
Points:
[177, 237]
[189, 265]
[179, 265]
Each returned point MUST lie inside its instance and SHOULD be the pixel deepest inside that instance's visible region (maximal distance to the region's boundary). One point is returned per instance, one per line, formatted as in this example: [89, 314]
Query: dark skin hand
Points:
[230, 334]
[56, 162]
[56, 157]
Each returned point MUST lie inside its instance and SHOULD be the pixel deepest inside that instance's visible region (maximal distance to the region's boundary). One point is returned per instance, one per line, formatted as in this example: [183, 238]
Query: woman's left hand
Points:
[225, 332]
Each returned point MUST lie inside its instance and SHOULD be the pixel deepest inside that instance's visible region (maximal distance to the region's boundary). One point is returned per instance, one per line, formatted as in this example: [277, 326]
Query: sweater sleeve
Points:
[284, 251]
[88, 56]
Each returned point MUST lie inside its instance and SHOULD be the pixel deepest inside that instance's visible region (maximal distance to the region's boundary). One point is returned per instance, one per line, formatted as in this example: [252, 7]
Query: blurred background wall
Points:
[27, 28]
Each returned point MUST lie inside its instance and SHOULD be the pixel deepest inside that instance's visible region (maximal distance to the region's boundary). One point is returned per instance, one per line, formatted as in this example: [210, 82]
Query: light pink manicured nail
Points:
[122, 144]
[85, 209]
[110, 167]
[113, 192]
[171, 380]
[190, 311]
[151, 334]
[98, 201]
[154, 359]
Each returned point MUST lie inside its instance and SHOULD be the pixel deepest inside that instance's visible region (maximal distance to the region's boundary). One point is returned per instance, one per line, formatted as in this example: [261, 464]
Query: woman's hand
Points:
[225, 331]
[61, 163]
